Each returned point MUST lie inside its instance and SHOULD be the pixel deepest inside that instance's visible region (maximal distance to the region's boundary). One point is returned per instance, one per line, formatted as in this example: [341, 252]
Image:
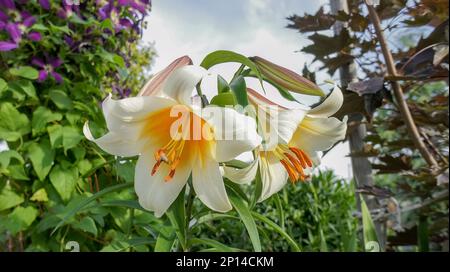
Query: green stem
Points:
[199, 89]
[190, 202]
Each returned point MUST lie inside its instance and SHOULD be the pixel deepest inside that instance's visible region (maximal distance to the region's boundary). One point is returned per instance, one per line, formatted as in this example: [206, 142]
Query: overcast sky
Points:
[249, 27]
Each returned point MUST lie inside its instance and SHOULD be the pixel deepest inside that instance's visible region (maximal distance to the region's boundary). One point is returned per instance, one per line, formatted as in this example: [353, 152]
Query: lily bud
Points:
[154, 85]
[286, 78]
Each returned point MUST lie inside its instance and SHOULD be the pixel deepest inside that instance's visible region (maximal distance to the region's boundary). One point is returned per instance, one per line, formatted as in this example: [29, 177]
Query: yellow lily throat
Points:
[294, 161]
[179, 151]
[170, 154]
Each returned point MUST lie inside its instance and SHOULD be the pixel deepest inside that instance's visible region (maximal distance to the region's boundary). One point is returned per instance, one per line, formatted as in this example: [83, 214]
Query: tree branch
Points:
[398, 92]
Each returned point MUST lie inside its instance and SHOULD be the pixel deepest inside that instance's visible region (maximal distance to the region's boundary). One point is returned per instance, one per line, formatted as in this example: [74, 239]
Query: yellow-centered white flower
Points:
[144, 126]
[299, 135]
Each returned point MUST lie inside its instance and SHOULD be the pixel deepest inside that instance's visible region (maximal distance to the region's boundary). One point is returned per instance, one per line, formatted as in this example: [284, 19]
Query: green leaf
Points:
[224, 99]
[258, 189]
[17, 172]
[215, 244]
[177, 216]
[84, 166]
[7, 155]
[61, 99]
[71, 137]
[9, 198]
[13, 123]
[213, 216]
[40, 196]
[165, 240]
[371, 241]
[323, 242]
[132, 204]
[118, 60]
[24, 86]
[55, 133]
[3, 85]
[39, 27]
[42, 116]
[223, 56]
[126, 169]
[239, 88]
[237, 189]
[82, 204]
[64, 28]
[64, 180]
[20, 219]
[278, 229]
[422, 235]
[280, 210]
[247, 219]
[25, 72]
[222, 85]
[41, 156]
[107, 24]
[87, 224]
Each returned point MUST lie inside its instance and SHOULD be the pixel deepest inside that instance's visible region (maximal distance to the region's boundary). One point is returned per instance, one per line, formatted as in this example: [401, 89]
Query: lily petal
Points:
[114, 143]
[181, 83]
[288, 122]
[329, 106]
[208, 185]
[153, 192]
[125, 116]
[244, 175]
[319, 134]
[273, 175]
[282, 122]
[155, 84]
[234, 132]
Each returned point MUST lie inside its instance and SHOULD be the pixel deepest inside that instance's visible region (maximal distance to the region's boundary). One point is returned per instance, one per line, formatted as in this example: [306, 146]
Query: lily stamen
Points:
[171, 155]
[294, 165]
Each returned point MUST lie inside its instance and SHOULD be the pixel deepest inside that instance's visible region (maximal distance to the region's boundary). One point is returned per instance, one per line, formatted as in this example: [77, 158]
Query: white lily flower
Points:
[144, 126]
[300, 135]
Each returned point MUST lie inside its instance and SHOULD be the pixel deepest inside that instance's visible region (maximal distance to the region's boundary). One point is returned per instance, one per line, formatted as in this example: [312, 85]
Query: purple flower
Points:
[48, 68]
[123, 93]
[112, 9]
[8, 4]
[7, 46]
[34, 36]
[45, 4]
[17, 24]
[65, 11]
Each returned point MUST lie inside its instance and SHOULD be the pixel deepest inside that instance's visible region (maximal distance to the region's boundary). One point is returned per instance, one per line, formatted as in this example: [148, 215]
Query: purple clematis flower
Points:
[45, 4]
[8, 4]
[17, 24]
[140, 6]
[48, 68]
[123, 93]
[111, 9]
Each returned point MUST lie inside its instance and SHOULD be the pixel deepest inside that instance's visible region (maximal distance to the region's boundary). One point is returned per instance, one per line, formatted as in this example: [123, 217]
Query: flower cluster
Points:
[84, 25]
[176, 138]
[17, 23]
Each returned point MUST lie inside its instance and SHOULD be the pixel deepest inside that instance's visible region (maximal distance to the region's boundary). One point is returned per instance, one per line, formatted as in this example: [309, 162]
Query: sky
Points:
[248, 27]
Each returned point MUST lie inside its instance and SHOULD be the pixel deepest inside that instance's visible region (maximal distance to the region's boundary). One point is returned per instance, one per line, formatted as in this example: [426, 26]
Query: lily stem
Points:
[190, 202]
[398, 92]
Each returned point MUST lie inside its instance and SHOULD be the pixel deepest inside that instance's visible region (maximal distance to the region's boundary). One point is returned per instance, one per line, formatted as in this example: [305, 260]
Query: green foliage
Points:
[50, 169]
[315, 215]
[419, 44]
